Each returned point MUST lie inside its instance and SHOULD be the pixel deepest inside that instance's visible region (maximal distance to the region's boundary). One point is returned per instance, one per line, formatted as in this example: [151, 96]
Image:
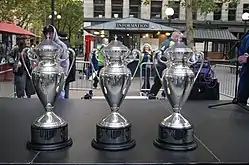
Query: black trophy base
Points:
[113, 139]
[49, 139]
[175, 139]
[49, 147]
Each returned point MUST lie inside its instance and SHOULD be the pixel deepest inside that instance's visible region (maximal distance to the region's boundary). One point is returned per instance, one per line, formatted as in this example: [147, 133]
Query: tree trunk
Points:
[189, 24]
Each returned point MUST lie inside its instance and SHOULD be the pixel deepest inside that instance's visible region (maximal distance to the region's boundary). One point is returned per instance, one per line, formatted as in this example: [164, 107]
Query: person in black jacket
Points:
[160, 67]
[22, 81]
[71, 75]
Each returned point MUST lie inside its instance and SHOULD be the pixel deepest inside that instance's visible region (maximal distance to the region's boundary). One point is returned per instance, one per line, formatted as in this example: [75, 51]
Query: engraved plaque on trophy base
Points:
[49, 139]
[175, 139]
[113, 139]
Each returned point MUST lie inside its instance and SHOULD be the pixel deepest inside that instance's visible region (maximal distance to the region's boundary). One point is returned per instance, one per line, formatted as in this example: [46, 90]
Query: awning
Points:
[236, 29]
[131, 24]
[213, 34]
[9, 27]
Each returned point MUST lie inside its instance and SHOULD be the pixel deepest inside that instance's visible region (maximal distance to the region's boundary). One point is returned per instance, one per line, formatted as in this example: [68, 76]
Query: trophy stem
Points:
[177, 109]
[49, 107]
[114, 108]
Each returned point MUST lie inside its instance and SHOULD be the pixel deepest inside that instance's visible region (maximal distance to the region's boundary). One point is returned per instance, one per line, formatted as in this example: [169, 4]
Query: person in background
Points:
[71, 75]
[243, 90]
[22, 81]
[51, 33]
[160, 66]
[146, 57]
[101, 58]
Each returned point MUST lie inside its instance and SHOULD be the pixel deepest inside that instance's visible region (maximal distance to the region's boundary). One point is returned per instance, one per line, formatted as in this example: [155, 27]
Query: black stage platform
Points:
[222, 133]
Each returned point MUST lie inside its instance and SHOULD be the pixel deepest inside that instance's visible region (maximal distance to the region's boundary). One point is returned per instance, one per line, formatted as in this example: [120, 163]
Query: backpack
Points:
[206, 74]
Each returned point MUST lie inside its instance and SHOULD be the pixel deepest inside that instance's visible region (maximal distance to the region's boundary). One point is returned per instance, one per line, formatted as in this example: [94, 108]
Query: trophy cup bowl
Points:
[49, 132]
[175, 132]
[113, 133]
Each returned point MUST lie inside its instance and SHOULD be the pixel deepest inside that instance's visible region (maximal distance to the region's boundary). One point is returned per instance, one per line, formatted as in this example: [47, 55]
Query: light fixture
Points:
[102, 32]
[102, 35]
[58, 17]
[245, 16]
[147, 35]
[96, 32]
[169, 11]
[158, 33]
[100, 16]
[115, 15]
[167, 34]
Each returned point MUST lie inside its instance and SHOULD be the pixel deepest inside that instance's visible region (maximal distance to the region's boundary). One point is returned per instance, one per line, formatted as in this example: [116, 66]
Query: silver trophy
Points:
[49, 131]
[175, 132]
[113, 132]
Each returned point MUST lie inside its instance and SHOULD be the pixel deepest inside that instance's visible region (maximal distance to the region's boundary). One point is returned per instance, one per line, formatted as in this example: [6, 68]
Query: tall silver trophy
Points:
[175, 132]
[113, 132]
[49, 131]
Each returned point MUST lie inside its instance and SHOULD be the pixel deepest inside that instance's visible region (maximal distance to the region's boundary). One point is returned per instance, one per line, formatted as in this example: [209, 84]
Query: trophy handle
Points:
[130, 57]
[72, 63]
[29, 53]
[197, 56]
[134, 53]
[157, 58]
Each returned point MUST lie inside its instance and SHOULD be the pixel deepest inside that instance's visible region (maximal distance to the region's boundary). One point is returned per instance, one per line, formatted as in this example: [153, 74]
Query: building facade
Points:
[228, 16]
[156, 10]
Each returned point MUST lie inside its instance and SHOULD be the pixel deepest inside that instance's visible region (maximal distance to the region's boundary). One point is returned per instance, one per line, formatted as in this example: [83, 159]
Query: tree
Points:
[204, 6]
[72, 14]
[34, 13]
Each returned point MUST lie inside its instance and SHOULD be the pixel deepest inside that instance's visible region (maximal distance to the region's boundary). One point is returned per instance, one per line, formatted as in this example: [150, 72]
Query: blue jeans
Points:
[66, 88]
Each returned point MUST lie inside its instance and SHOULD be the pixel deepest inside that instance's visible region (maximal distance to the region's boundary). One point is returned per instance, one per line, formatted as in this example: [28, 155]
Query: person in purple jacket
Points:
[51, 33]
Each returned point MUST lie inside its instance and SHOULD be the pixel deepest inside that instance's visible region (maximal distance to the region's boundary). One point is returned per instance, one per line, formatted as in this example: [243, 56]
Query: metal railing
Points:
[226, 75]
[7, 88]
[84, 76]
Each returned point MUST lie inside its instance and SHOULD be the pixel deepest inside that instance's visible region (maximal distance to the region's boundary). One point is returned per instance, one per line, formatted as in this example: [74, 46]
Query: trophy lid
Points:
[115, 46]
[47, 48]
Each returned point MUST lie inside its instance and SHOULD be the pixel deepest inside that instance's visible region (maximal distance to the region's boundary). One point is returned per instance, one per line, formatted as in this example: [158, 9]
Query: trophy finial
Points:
[115, 37]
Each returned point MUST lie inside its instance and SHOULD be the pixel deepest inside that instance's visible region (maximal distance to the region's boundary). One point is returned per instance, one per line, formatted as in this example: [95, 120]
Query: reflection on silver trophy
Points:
[114, 131]
[49, 131]
[175, 132]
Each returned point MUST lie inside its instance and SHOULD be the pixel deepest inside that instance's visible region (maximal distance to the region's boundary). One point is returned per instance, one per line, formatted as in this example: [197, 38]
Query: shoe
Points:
[151, 96]
[87, 96]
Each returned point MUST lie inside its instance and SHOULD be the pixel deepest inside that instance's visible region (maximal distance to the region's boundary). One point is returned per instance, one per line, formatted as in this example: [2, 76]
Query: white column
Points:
[145, 11]
[126, 8]
[224, 12]
[182, 13]
[108, 8]
[164, 7]
[88, 8]
[210, 16]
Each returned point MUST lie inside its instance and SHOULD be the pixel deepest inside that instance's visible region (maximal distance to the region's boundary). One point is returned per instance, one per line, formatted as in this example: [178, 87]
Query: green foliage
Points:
[36, 12]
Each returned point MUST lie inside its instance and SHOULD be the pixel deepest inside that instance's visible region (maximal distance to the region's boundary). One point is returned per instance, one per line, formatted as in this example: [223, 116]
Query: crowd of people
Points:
[24, 87]
[146, 56]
